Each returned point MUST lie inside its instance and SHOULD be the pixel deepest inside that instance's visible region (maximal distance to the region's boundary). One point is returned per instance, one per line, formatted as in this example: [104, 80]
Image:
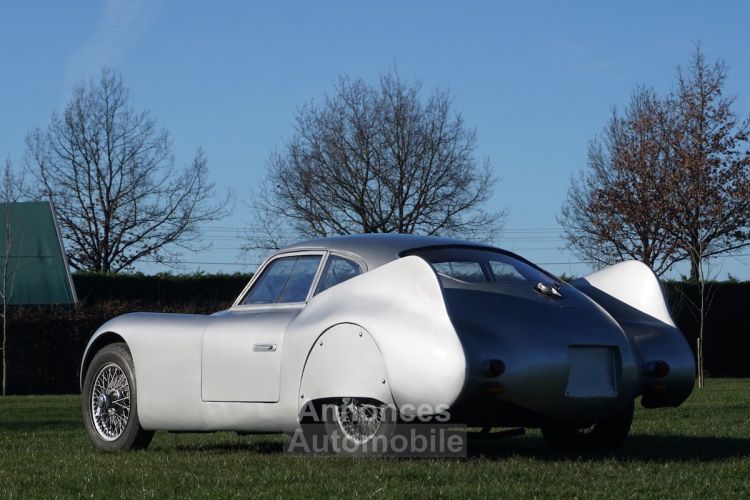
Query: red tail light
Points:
[657, 369]
[493, 368]
[661, 369]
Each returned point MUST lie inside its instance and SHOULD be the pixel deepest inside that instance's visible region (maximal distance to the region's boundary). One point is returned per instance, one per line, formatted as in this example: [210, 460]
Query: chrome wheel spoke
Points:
[358, 421]
[110, 402]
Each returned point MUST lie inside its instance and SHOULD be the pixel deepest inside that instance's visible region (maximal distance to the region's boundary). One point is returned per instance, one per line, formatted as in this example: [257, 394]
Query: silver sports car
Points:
[428, 326]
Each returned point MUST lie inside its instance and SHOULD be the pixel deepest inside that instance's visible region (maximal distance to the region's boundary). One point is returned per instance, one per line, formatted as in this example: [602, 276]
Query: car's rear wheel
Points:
[604, 435]
[110, 411]
[354, 426]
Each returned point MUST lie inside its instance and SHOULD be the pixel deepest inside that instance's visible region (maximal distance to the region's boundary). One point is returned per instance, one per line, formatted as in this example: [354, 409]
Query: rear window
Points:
[471, 272]
[473, 265]
[337, 270]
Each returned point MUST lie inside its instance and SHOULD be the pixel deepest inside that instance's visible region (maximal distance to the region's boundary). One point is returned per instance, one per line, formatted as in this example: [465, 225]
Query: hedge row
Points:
[46, 343]
[726, 335]
[215, 289]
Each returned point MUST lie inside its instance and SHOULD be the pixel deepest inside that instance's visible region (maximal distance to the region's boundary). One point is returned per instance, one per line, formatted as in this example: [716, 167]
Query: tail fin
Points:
[631, 283]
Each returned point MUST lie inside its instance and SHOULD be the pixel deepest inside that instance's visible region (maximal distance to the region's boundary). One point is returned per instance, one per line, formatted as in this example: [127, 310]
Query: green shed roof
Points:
[32, 257]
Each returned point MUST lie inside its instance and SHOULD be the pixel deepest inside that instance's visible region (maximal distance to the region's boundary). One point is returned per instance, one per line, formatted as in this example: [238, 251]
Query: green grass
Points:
[701, 449]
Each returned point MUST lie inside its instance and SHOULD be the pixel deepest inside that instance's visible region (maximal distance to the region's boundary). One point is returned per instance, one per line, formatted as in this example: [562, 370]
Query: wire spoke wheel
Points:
[110, 402]
[358, 421]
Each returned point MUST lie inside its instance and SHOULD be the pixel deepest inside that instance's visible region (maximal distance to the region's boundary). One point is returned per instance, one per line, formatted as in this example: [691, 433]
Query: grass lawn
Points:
[701, 449]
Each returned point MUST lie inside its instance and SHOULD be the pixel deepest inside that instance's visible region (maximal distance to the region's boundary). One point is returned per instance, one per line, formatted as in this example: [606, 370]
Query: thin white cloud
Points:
[121, 24]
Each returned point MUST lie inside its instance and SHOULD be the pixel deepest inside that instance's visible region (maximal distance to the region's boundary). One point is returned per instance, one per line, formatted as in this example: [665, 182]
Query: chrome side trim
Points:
[264, 347]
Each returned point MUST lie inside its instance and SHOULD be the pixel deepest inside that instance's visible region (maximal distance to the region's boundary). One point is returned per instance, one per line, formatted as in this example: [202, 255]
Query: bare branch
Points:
[111, 175]
[376, 159]
[618, 209]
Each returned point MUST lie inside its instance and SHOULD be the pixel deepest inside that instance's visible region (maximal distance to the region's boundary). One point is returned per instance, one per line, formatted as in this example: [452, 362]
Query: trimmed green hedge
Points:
[727, 328]
[46, 344]
[218, 290]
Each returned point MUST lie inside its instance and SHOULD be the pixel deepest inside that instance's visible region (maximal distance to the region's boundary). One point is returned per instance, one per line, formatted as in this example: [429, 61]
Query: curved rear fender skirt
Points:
[401, 305]
[631, 283]
[345, 361]
[630, 293]
[166, 351]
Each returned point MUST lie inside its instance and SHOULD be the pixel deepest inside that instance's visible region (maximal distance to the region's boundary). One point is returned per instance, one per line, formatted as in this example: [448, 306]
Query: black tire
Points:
[604, 435]
[340, 439]
[108, 425]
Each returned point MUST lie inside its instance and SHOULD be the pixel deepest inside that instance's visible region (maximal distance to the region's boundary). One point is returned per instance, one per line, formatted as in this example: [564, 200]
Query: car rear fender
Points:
[631, 294]
[345, 361]
[407, 339]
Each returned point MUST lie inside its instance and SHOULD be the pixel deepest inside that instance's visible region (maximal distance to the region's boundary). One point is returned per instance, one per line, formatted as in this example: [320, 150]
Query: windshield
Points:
[473, 265]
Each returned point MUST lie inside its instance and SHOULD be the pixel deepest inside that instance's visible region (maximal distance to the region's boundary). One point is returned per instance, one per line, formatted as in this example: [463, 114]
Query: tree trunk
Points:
[695, 271]
[5, 347]
[701, 325]
[699, 354]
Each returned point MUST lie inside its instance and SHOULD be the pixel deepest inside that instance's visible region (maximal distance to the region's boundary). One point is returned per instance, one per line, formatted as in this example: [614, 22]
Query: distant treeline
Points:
[46, 343]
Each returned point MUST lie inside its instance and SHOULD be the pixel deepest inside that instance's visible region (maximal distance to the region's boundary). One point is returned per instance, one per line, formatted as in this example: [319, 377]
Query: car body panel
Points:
[360, 372]
[166, 352]
[245, 345]
[535, 343]
[411, 328]
[631, 294]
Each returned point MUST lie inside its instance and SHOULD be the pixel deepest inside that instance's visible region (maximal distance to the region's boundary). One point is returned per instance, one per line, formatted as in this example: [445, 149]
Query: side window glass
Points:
[470, 272]
[337, 270]
[300, 279]
[503, 271]
[287, 279]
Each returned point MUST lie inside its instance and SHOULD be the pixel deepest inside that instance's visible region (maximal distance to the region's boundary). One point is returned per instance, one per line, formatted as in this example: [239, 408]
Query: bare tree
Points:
[669, 180]
[617, 209]
[9, 193]
[111, 175]
[711, 195]
[711, 181]
[376, 159]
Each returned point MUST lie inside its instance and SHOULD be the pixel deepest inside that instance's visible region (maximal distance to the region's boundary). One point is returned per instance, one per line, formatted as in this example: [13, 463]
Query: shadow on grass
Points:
[41, 425]
[262, 447]
[659, 448]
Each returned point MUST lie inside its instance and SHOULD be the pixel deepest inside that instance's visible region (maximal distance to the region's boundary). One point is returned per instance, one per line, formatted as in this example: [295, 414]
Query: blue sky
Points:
[537, 80]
